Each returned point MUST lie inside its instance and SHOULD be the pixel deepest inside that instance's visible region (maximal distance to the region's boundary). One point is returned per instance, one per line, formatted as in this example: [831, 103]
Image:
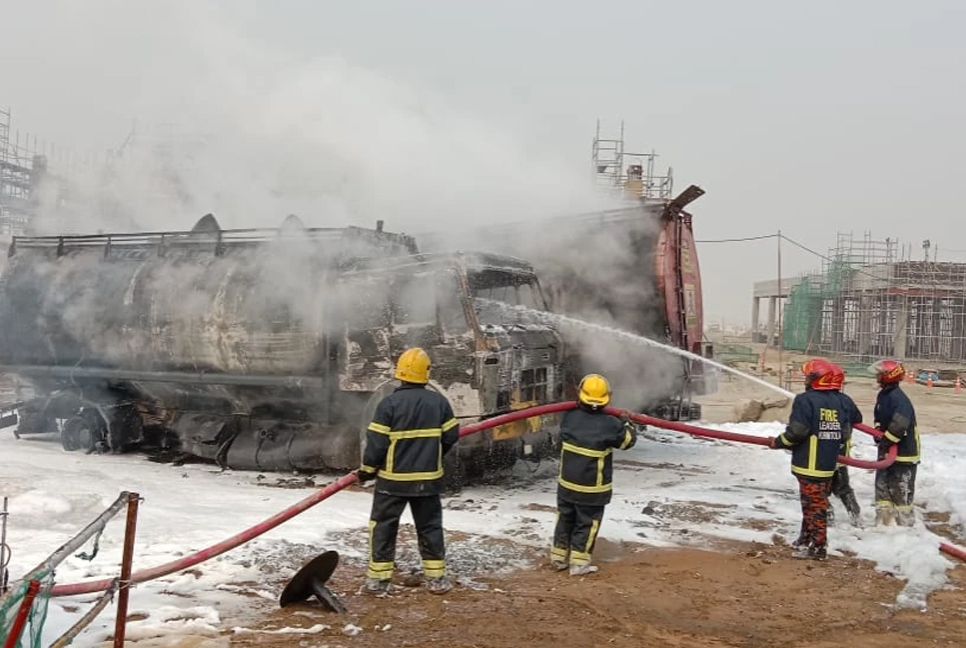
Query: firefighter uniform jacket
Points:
[817, 428]
[587, 442]
[412, 429]
[895, 416]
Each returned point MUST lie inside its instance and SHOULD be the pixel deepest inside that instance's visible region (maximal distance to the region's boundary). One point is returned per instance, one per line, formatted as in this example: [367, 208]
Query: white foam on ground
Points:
[670, 490]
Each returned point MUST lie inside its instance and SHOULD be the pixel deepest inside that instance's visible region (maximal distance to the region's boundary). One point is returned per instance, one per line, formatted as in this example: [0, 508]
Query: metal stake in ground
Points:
[4, 551]
[311, 580]
[120, 624]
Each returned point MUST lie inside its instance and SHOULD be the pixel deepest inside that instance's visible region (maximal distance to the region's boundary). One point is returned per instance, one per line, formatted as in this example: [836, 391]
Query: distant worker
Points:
[588, 438]
[840, 486]
[895, 486]
[815, 433]
[411, 431]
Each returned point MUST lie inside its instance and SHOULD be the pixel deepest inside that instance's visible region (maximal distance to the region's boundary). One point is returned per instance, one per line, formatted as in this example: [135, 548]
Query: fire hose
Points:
[88, 587]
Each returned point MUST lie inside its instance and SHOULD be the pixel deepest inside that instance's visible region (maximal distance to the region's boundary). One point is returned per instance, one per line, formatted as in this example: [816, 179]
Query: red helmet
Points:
[888, 372]
[838, 376]
[820, 374]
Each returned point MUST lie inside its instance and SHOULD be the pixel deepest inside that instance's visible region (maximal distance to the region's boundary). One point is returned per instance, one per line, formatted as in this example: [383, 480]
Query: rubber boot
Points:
[852, 506]
[376, 586]
[811, 553]
[885, 516]
[582, 570]
[559, 565]
[906, 518]
[439, 585]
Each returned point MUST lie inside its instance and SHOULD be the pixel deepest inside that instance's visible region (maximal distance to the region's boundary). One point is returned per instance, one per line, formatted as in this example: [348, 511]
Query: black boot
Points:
[852, 506]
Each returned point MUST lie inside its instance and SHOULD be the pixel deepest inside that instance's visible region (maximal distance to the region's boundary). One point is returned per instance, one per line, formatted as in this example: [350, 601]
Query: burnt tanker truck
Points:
[269, 349]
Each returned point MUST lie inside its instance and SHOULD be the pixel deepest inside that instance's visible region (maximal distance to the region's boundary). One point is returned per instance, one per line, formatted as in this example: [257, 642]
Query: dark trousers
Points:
[841, 488]
[576, 532]
[427, 513]
[814, 498]
[895, 488]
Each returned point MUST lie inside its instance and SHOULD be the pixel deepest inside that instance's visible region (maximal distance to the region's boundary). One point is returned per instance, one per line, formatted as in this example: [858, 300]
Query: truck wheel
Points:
[77, 434]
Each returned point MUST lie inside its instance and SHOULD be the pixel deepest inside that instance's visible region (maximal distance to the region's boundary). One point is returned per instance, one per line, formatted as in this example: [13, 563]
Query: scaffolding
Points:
[17, 177]
[871, 300]
[615, 169]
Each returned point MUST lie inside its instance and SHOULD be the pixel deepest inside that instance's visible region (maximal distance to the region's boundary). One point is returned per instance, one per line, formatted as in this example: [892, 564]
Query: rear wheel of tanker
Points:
[77, 434]
[84, 431]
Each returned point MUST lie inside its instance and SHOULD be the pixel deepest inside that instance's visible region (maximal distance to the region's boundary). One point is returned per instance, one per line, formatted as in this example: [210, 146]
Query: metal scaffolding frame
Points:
[615, 169]
[871, 299]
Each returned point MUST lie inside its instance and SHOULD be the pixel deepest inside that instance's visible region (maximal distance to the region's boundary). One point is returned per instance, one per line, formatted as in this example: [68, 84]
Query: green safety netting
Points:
[11, 603]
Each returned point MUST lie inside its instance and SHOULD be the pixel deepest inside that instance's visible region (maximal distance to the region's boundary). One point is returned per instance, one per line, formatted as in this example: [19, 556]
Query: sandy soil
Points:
[741, 595]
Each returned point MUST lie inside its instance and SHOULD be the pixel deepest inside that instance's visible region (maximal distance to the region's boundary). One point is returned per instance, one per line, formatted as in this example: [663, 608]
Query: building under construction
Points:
[21, 169]
[874, 299]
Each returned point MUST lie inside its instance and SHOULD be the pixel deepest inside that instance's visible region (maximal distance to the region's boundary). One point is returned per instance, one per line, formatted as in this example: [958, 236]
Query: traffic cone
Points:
[959, 385]
[910, 378]
[929, 381]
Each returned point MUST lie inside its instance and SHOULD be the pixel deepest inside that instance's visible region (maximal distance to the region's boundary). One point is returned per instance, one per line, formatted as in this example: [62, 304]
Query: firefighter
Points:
[412, 430]
[815, 433]
[895, 486]
[840, 486]
[588, 437]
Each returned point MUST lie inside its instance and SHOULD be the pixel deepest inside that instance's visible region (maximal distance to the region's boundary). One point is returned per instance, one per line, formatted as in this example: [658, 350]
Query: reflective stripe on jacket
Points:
[896, 417]
[587, 442]
[412, 429]
[818, 426]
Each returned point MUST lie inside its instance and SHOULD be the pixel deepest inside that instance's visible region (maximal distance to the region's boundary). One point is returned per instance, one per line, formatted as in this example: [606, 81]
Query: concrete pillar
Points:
[772, 303]
[959, 330]
[755, 316]
[864, 333]
[902, 326]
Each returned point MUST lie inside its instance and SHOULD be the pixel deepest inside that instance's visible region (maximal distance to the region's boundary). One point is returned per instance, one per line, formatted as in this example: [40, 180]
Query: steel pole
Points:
[124, 585]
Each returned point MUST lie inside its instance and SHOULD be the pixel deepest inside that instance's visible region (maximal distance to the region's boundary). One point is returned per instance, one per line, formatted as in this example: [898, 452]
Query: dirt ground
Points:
[740, 595]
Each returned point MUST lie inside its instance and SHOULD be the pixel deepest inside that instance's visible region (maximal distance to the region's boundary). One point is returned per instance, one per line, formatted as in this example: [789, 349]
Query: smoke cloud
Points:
[252, 133]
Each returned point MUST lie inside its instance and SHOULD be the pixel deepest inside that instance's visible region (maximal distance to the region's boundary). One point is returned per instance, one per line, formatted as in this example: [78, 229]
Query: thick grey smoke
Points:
[251, 134]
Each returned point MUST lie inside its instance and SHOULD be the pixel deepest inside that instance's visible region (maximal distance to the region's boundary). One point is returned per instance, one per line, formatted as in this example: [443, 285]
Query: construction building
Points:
[874, 299]
[21, 169]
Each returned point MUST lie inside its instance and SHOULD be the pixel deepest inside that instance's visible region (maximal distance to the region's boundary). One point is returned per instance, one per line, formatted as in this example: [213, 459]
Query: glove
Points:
[365, 475]
[776, 444]
[883, 444]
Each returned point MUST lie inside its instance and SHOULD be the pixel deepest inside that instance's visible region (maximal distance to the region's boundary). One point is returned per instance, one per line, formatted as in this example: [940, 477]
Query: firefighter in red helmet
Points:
[895, 486]
[840, 486]
[817, 427]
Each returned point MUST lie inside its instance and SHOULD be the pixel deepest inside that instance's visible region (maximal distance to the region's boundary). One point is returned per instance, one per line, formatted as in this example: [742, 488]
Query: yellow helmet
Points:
[413, 366]
[594, 390]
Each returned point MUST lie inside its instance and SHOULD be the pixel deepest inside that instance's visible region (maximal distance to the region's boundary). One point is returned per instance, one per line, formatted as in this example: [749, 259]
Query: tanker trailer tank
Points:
[261, 349]
[634, 268]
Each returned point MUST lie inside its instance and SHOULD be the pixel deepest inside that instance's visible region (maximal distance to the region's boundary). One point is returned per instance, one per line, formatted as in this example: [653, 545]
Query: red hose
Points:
[746, 438]
[214, 550]
[952, 550]
[89, 587]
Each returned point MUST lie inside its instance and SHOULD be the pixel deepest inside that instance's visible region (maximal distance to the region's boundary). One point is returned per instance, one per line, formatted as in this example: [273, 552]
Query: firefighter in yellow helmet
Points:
[411, 431]
[588, 438]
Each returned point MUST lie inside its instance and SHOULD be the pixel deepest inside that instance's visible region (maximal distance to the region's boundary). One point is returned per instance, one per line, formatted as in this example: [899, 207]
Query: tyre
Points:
[79, 434]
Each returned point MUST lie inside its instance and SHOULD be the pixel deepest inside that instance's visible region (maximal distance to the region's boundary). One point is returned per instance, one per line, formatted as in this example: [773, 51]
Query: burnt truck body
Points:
[634, 268]
[264, 349]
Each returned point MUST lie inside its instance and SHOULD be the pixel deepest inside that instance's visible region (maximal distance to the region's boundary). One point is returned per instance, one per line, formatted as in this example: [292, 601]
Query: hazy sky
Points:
[805, 117]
